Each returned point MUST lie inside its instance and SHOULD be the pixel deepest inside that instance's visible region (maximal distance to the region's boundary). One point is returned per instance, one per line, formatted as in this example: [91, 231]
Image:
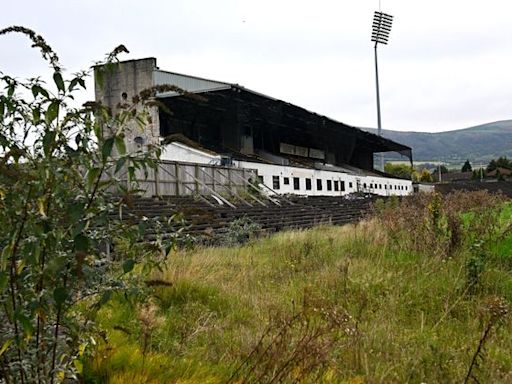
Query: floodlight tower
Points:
[381, 28]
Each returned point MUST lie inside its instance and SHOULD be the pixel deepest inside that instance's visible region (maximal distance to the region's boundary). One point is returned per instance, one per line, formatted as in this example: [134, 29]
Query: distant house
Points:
[505, 172]
[453, 177]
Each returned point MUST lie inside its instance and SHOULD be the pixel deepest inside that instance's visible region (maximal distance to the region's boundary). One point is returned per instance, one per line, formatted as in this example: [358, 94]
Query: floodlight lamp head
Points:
[381, 27]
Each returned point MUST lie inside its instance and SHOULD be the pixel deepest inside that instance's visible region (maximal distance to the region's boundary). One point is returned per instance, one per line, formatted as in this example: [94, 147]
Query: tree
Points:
[60, 190]
[466, 167]
[501, 162]
[442, 168]
[425, 176]
[478, 174]
[399, 170]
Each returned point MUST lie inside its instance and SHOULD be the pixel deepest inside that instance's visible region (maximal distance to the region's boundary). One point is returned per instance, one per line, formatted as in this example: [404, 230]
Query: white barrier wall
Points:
[295, 180]
[176, 151]
[312, 182]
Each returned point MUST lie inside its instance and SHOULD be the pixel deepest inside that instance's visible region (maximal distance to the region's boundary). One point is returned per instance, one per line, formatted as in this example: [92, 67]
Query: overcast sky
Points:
[448, 64]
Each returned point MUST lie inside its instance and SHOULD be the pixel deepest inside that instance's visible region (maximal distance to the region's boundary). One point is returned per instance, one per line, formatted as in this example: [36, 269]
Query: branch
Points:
[38, 42]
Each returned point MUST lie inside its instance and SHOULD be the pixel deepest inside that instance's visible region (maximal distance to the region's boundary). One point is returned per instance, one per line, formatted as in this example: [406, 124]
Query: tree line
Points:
[497, 168]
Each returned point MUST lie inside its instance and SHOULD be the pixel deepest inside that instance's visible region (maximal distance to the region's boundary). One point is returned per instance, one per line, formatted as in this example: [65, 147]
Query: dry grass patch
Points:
[330, 304]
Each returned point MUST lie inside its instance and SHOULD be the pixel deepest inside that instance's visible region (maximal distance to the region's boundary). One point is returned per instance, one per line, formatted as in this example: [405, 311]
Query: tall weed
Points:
[436, 225]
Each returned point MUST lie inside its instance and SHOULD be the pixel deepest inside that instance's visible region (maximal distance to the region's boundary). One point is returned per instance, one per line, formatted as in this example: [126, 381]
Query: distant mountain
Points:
[479, 144]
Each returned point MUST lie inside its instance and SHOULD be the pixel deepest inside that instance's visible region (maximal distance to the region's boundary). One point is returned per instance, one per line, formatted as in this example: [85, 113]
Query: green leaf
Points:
[5, 346]
[10, 90]
[59, 82]
[2, 108]
[72, 84]
[81, 82]
[3, 280]
[92, 175]
[48, 141]
[120, 163]
[78, 228]
[81, 242]
[41, 206]
[79, 366]
[128, 265]
[75, 211]
[106, 150]
[98, 131]
[120, 145]
[131, 173]
[6, 254]
[105, 298]
[60, 295]
[52, 111]
[37, 89]
[26, 324]
[36, 115]
[142, 227]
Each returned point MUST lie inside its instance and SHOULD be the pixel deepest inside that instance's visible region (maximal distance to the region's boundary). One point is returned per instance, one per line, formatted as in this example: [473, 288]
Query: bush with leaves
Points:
[240, 231]
[399, 170]
[60, 189]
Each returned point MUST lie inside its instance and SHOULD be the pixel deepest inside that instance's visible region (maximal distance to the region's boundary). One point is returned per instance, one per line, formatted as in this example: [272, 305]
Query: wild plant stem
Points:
[13, 282]
[40, 286]
[56, 333]
[55, 342]
[95, 189]
[478, 351]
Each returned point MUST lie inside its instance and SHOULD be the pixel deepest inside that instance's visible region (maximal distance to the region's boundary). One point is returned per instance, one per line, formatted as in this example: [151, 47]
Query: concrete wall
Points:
[120, 84]
[179, 152]
[424, 187]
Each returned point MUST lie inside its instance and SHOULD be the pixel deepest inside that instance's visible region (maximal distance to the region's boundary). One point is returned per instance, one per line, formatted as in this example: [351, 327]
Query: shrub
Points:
[240, 231]
[59, 194]
[475, 266]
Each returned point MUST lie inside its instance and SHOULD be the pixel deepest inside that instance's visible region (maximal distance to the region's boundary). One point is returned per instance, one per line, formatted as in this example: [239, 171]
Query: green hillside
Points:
[478, 144]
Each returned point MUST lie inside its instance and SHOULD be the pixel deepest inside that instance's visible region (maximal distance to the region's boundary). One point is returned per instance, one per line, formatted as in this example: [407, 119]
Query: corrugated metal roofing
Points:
[188, 83]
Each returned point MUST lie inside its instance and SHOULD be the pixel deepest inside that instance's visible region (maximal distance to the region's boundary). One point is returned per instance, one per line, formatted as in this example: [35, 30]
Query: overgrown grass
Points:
[347, 304]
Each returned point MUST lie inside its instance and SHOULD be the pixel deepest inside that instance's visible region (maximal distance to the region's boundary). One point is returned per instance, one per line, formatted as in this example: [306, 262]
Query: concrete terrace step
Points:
[203, 220]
